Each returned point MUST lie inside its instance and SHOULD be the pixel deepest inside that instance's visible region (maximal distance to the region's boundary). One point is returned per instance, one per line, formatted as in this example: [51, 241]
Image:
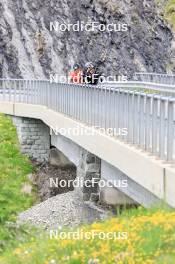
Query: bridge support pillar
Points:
[34, 138]
[91, 172]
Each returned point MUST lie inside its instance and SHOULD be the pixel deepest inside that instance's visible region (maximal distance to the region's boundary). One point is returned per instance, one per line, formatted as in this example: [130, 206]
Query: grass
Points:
[147, 236]
[170, 12]
[14, 169]
[151, 239]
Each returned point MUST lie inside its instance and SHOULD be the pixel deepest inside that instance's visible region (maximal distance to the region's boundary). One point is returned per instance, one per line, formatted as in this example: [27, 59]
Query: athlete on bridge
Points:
[90, 74]
[76, 76]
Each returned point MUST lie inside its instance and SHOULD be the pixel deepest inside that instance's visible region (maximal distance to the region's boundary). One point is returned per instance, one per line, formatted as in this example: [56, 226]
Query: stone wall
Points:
[34, 138]
[91, 169]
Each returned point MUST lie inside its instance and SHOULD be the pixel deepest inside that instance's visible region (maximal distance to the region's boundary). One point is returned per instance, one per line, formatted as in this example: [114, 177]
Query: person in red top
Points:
[76, 76]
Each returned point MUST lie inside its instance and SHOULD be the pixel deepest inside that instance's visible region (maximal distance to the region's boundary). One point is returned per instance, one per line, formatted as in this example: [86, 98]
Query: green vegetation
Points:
[14, 169]
[151, 240]
[150, 233]
[170, 12]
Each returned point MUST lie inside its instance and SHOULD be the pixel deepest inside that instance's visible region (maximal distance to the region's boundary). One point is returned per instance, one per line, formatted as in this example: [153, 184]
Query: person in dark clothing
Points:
[90, 74]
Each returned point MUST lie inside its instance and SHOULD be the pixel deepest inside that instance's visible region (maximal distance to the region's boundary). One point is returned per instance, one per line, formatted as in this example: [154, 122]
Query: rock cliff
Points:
[29, 49]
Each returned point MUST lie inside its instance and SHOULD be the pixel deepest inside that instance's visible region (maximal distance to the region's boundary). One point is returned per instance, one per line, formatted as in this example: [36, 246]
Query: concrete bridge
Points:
[115, 133]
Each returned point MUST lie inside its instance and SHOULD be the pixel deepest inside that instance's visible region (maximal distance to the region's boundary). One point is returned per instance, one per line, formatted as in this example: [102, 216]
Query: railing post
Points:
[162, 128]
[170, 132]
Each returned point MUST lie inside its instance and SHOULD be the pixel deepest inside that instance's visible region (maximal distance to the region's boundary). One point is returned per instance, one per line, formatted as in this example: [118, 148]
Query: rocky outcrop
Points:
[26, 52]
[168, 12]
[8, 53]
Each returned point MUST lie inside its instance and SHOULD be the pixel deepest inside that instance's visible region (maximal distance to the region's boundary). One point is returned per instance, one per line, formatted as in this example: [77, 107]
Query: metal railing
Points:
[147, 87]
[149, 119]
[168, 79]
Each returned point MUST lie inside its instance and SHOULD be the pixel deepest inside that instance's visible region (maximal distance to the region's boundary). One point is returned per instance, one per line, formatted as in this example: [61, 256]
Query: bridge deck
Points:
[147, 118]
[141, 119]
